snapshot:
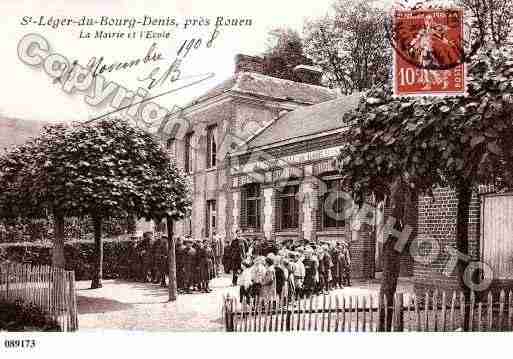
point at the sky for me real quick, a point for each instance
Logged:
(29, 93)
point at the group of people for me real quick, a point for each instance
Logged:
(261, 268)
(197, 261)
(267, 270)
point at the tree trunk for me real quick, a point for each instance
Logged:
(391, 256)
(58, 242)
(98, 253)
(464, 190)
(391, 269)
(171, 259)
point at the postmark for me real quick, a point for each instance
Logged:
(428, 56)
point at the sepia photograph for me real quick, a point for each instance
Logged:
(328, 167)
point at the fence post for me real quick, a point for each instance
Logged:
(229, 314)
(73, 302)
(398, 313)
(380, 315)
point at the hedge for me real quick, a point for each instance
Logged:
(22, 317)
(33, 230)
(122, 258)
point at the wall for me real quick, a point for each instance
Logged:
(207, 183)
(437, 219)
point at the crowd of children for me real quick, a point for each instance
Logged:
(267, 270)
(261, 268)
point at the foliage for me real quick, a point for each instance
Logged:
(107, 168)
(22, 317)
(489, 21)
(123, 258)
(350, 45)
(435, 141)
(284, 52)
(31, 230)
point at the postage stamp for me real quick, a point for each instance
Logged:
(428, 52)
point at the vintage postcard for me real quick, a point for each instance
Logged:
(337, 166)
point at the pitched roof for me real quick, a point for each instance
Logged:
(258, 84)
(267, 86)
(306, 121)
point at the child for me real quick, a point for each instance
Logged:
(245, 282)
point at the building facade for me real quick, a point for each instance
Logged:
(259, 152)
(222, 121)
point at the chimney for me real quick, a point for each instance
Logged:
(308, 74)
(249, 64)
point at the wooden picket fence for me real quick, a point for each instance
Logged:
(435, 311)
(50, 289)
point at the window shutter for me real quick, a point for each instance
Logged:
(278, 209)
(207, 219)
(243, 207)
(209, 148)
(296, 212)
(259, 213)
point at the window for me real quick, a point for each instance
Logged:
(288, 208)
(211, 217)
(188, 153)
(333, 205)
(211, 146)
(251, 206)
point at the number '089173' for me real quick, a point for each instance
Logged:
(19, 343)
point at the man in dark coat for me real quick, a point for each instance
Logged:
(238, 253)
(203, 254)
(180, 263)
(189, 265)
(161, 256)
(146, 258)
(346, 265)
(325, 265)
(311, 268)
(336, 269)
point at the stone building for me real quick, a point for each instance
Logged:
(259, 151)
(223, 120)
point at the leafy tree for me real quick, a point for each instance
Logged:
(20, 169)
(284, 52)
(104, 169)
(402, 147)
(350, 45)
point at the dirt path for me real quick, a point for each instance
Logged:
(143, 306)
(122, 305)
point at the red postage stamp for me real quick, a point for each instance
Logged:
(428, 52)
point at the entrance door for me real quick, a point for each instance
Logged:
(497, 234)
